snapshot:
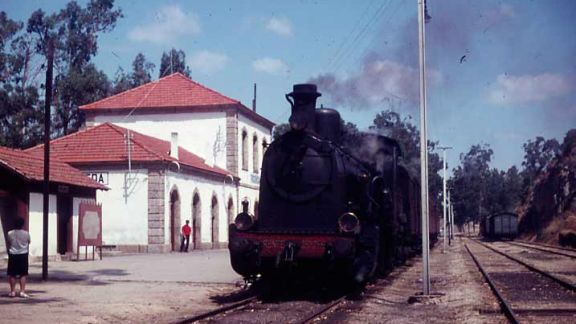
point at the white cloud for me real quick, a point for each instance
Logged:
(279, 25)
(270, 65)
(207, 62)
(170, 23)
(528, 88)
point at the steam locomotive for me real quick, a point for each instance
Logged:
(323, 207)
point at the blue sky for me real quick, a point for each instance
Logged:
(499, 72)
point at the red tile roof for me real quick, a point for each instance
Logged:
(175, 91)
(106, 143)
(31, 167)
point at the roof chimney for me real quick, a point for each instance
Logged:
(174, 145)
(254, 100)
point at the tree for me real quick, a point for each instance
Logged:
(21, 115)
(538, 155)
(141, 70)
(141, 74)
(392, 124)
(74, 89)
(469, 184)
(74, 32)
(172, 62)
(121, 81)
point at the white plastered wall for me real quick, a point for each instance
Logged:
(202, 133)
(124, 218)
(206, 188)
(263, 134)
(35, 224)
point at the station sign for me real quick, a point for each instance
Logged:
(100, 177)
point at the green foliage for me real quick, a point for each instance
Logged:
(77, 87)
(469, 184)
(172, 62)
(392, 124)
(21, 117)
(141, 70)
(74, 33)
(538, 154)
(141, 74)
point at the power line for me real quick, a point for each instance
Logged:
(352, 47)
(349, 36)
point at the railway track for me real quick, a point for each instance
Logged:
(571, 253)
(547, 245)
(525, 293)
(255, 310)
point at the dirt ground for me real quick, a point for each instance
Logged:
(126, 302)
(145, 288)
(459, 294)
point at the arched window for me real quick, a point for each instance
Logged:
(215, 221)
(174, 219)
(230, 210)
(196, 217)
(244, 150)
(255, 157)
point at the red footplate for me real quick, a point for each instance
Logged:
(308, 246)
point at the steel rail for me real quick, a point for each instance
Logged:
(548, 245)
(216, 311)
(323, 310)
(506, 308)
(536, 247)
(562, 282)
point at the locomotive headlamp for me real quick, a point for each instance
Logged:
(244, 221)
(349, 223)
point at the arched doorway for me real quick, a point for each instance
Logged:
(230, 210)
(174, 219)
(214, 214)
(196, 217)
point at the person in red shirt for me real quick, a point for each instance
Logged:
(186, 230)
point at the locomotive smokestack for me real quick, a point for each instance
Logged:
(303, 102)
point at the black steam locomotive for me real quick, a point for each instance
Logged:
(351, 211)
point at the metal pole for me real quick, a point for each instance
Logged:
(444, 148)
(451, 221)
(46, 186)
(423, 153)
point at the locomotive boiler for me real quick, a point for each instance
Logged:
(325, 208)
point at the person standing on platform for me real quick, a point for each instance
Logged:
(18, 243)
(186, 230)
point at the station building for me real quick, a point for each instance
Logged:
(170, 150)
(21, 195)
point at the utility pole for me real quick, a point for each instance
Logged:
(46, 185)
(423, 152)
(452, 220)
(444, 148)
